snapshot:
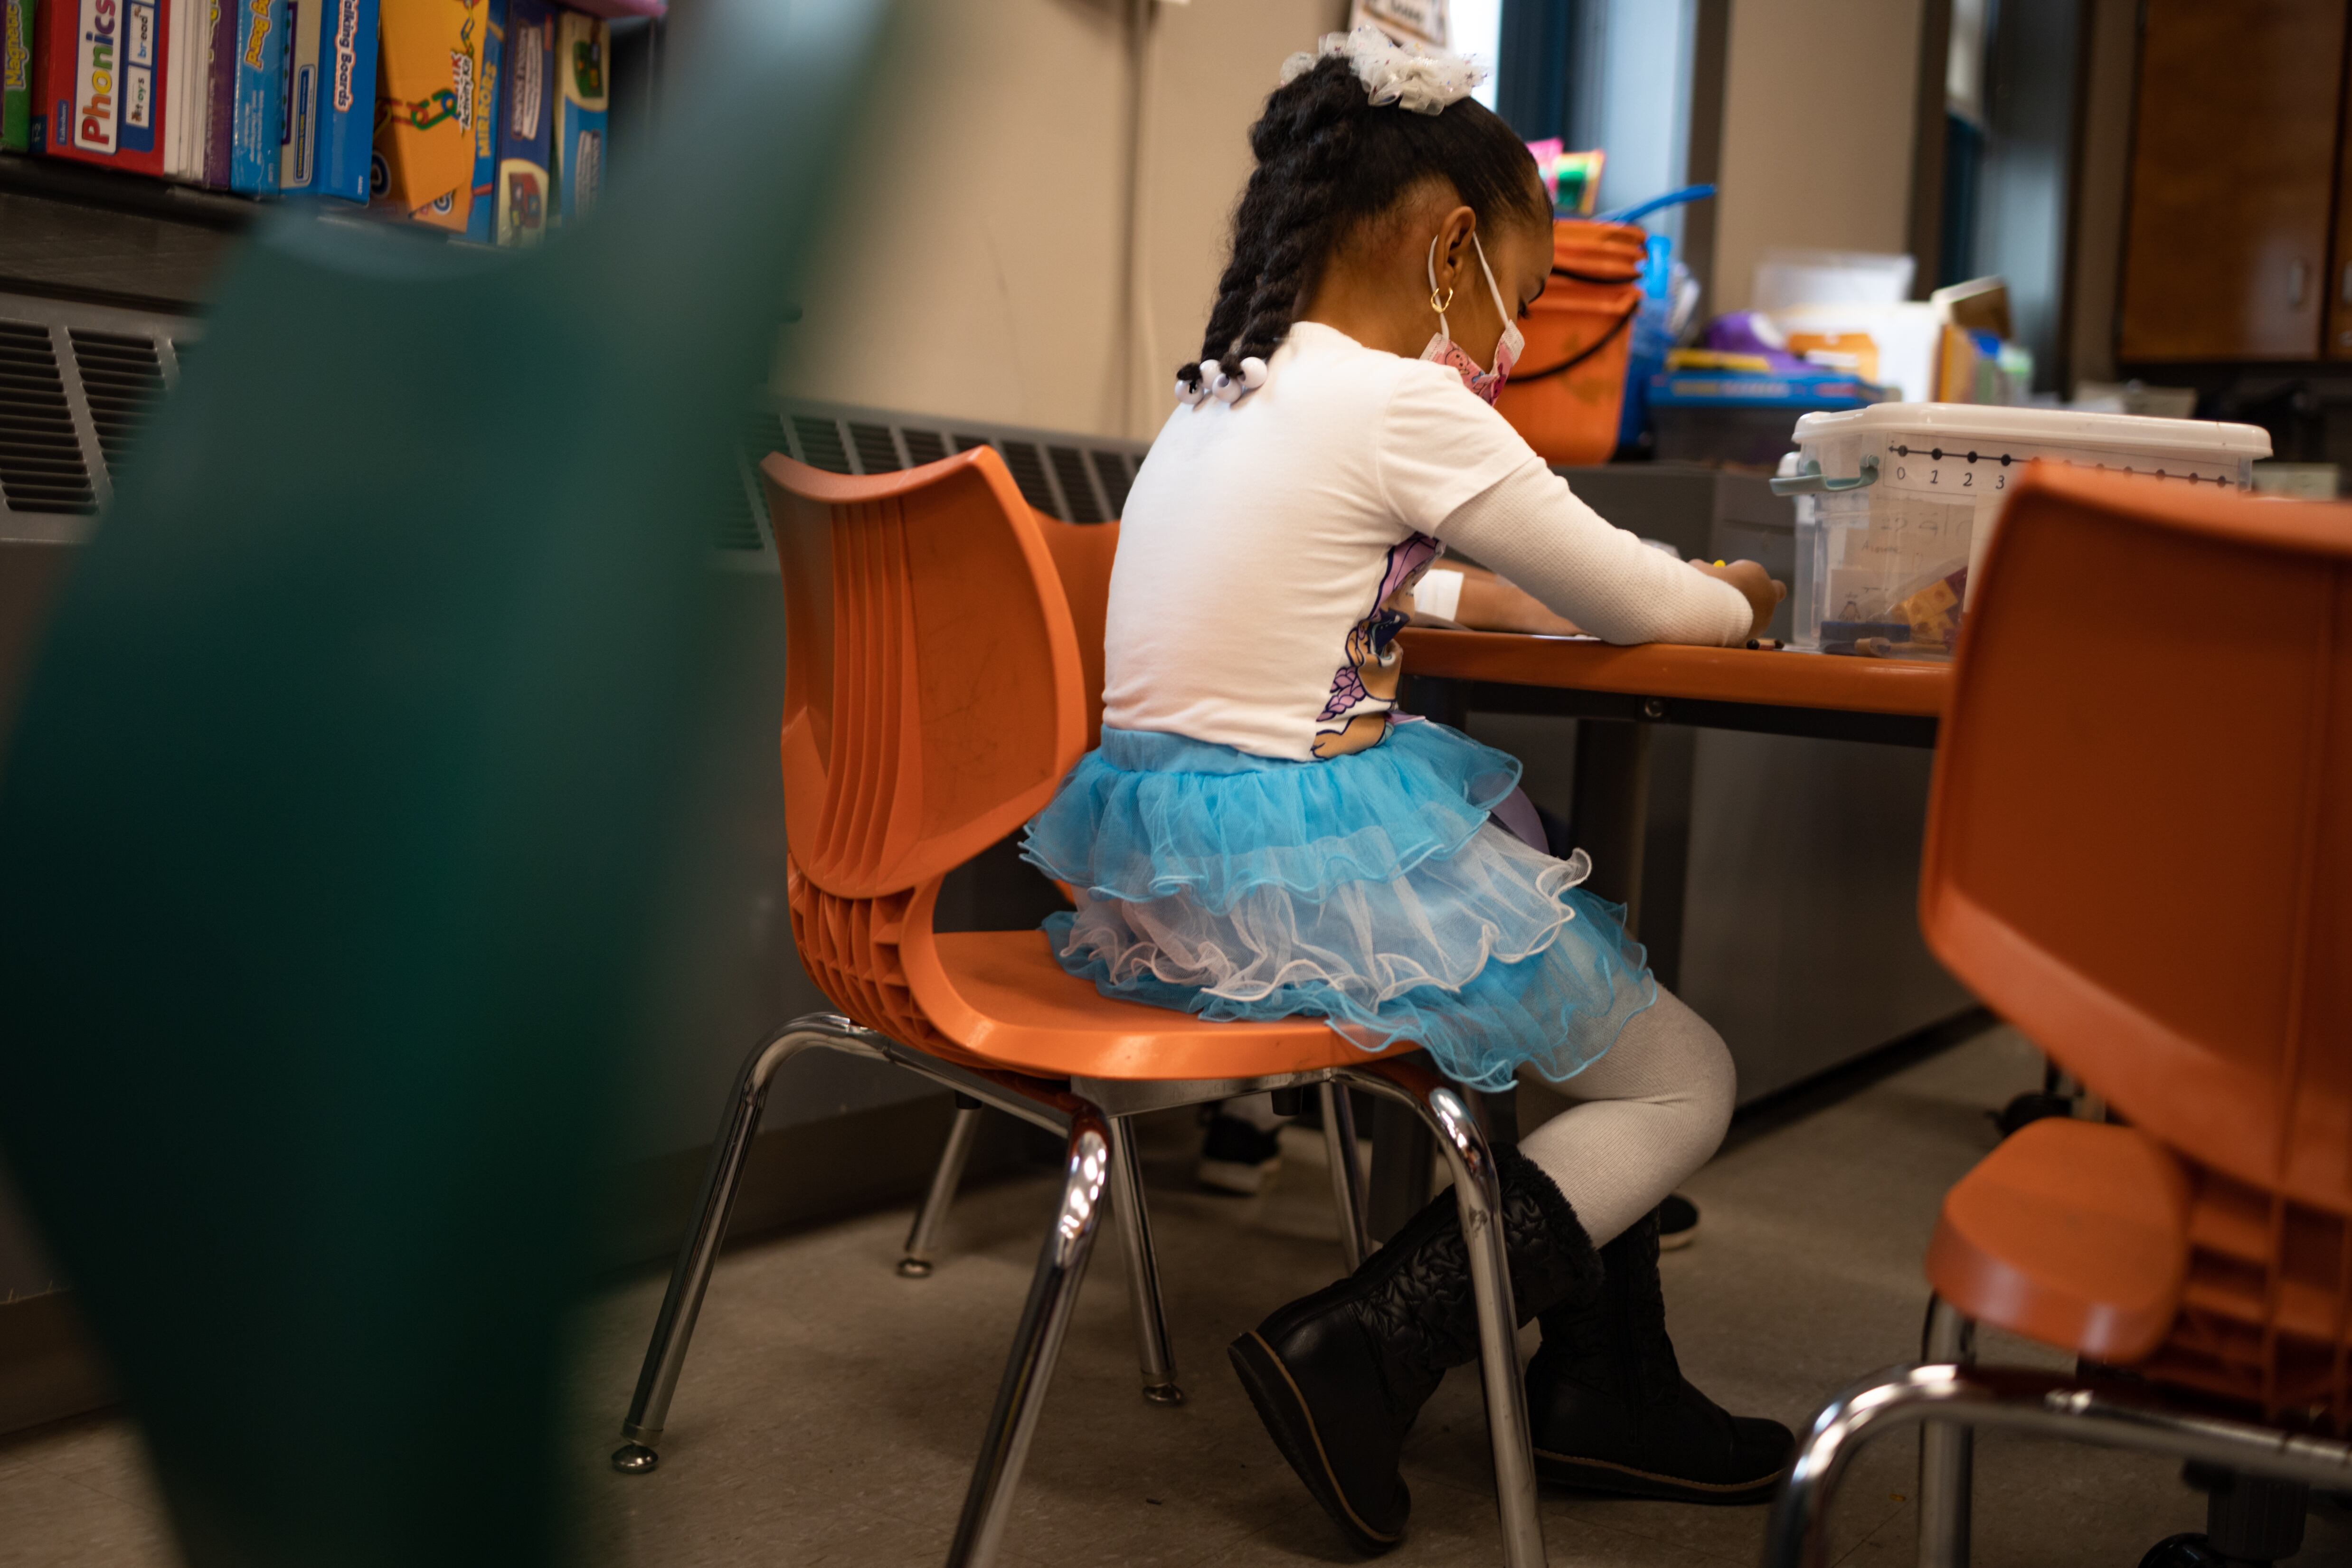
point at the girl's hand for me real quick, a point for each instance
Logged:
(1762, 591)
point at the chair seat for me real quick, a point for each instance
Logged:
(1000, 995)
(2071, 1233)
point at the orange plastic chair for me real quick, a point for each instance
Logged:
(2139, 852)
(933, 702)
(1083, 553)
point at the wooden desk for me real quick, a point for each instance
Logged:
(1450, 675)
(1894, 701)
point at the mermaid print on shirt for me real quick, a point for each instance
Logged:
(1375, 664)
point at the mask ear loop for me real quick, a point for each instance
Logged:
(1492, 292)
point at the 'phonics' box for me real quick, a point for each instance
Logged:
(100, 84)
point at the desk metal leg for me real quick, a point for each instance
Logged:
(1402, 1149)
(1498, 1112)
(1608, 816)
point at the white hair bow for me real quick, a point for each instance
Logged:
(1423, 80)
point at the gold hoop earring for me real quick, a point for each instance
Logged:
(1438, 305)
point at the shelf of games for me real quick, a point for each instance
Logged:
(486, 119)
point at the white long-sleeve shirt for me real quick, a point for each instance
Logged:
(1261, 538)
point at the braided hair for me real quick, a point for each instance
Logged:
(1329, 159)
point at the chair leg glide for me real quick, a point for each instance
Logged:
(674, 1329)
(1157, 1356)
(922, 1239)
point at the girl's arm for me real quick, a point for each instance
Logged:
(1601, 578)
(1477, 599)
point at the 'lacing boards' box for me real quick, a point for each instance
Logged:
(330, 99)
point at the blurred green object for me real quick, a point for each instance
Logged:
(336, 808)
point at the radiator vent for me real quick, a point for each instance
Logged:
(1110, 468)
(876, 453)
(1029, 473)
(820, 445)
(1077, 490)
(41, 465)
(121, 376)
(924, 446)
(738, 509)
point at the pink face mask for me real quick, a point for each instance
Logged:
(1441, 347)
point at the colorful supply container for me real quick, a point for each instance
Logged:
(1567, 391)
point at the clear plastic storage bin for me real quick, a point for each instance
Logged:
(1895, 503)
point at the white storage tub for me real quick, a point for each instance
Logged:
(1896, 501)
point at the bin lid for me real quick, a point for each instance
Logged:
(2043, 427)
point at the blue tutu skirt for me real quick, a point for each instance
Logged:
(1369, 890)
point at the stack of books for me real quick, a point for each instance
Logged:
(486, 118)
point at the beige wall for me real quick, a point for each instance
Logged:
(978, 265)
(1818, 122)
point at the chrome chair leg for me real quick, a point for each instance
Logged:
(1947, 1449)
(2020, 1401)
(1043, 1323)
(1346, 1173)
(1159, 1358)
(923, 1238)
(1477, 1194)
(674, 1329)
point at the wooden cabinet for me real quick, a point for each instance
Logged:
(2234, 172)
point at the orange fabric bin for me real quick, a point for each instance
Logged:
(1567, 391)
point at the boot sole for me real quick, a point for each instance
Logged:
(1292, 1426)
(1602, 1476)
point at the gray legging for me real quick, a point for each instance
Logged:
(1647, 1114)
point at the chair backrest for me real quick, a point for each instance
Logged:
(1082, 555)
(2139, 845)
(932, 682)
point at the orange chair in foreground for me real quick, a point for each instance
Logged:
(933, 701)
(2139, 852)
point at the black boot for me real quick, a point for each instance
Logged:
(1611, 1413)
(1339, 1376)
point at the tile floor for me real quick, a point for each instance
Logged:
(830, 1409)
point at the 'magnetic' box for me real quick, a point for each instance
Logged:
(481, 216)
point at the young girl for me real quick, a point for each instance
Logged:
(1261, 835)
